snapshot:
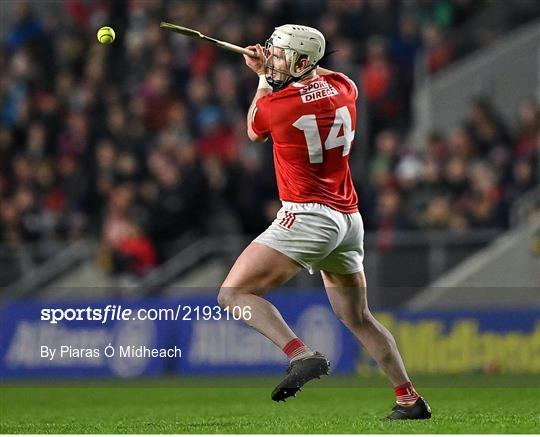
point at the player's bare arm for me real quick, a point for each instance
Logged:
(257, 65)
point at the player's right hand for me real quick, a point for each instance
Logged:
(256, 64)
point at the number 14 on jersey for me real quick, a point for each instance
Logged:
(308, 125)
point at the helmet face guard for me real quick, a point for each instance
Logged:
(277, 78)
(294, 43)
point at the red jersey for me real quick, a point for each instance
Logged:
(312, 127)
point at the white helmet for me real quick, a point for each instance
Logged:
(296, 41)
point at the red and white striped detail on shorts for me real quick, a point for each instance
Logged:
(288, 220)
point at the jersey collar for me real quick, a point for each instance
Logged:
(302, 85)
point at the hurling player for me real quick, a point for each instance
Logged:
(310, 113)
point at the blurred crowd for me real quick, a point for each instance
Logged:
(142, 143)
(466, 180)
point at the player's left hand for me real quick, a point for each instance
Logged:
(256, 64)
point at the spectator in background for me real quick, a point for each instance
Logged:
(484, 202)
(485, 128)
(438, 49)
(390, 218)
(408, 173)
(380, 86)
(386, 157)
(429, 186)
(405, 45)
(438, 214)
(157, 98)
(528, 128)
(217, 139)
(461, 144)
(455, 179)
(27, 32)
(104, 171)
(436, 147)
(134, 253)
(125, 247)
(522, 179)
(9, 224)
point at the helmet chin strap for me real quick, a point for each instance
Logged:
(280, 84)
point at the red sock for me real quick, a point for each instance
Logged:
(295, 349)
(406, 394)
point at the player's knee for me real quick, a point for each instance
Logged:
(226, 297)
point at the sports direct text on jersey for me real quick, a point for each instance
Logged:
(317, 90)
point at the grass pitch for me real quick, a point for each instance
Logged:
(333, 405)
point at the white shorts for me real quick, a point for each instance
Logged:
(317, 237)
